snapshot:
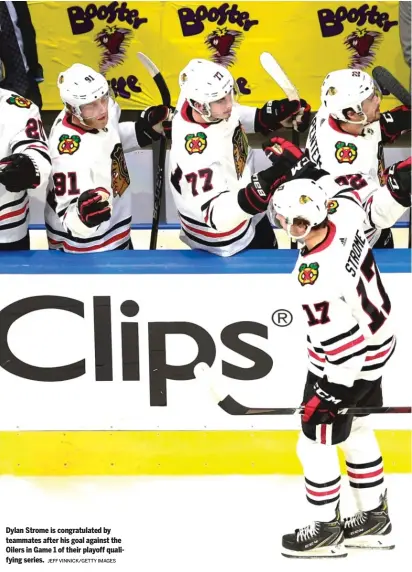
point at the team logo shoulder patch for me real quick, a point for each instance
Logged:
(308, 274)
(332, 206)
(68, 144)
(195, 143)
(345, 152)
(19, 101)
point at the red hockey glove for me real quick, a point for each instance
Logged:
(320, 405)
(93, 207)
(395, 122)
(152, 123)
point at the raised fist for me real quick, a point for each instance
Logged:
(93, 207)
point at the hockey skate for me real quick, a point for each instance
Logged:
(318, 540)
(369, 529)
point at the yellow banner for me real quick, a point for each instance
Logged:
(309, 39)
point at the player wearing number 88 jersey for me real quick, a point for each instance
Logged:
(24, 166)
(350, 339)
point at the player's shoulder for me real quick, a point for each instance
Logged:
(14, 107)
(66, 139)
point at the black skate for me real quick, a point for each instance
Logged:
(370, 529)
(318, 540)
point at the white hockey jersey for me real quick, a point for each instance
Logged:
(338, 284)
(342, 154)
(21, 131)
(84, 160)
(382, 210)
(209, 163)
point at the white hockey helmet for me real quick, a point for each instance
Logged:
(204, 82)
(79, 85)
(303, 199)
(347, 88)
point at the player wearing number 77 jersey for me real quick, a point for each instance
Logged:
(350, 339)
(220, 203)
(24, 165)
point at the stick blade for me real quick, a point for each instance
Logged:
(272, 67)
(148, 64)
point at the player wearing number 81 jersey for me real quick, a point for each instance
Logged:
(350, 339)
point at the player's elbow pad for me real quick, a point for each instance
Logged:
(225, 212)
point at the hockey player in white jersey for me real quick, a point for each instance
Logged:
(383, 204)
(220, 205)
(88, 203)
(348, 133)
(24, 165)
(350, 339)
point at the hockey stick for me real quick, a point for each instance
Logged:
(271, 66)
(229, 404)
(388, 82)
(160, 172)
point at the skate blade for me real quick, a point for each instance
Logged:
(371, 542)
(336, 551)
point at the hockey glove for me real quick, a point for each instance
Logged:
(255, 197)
(290, 160)
(153, 123)
(321, 406)
(395, 122)
(286, 113)
(398, 181)
(18, 173)
(93, 207)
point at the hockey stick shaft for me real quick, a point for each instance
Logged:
(203, 372)
(233, 407)
(272, 67)
(386, 80)
(160, 171)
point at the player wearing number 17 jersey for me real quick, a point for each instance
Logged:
(349, 340)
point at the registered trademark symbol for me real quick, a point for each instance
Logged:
(282, 318)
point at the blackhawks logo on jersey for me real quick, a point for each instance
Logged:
(332, 206)
(120, 174)
(308, 274)
(19, 101)
(68, 144)
(195, 143)
(240, 149)
(346, 152)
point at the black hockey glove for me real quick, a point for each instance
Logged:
(152, 123)
(395, 122)
(18, 173)
(398, 181)
(93, 207)
(320, 404)
(277, 113)
(255, 197)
